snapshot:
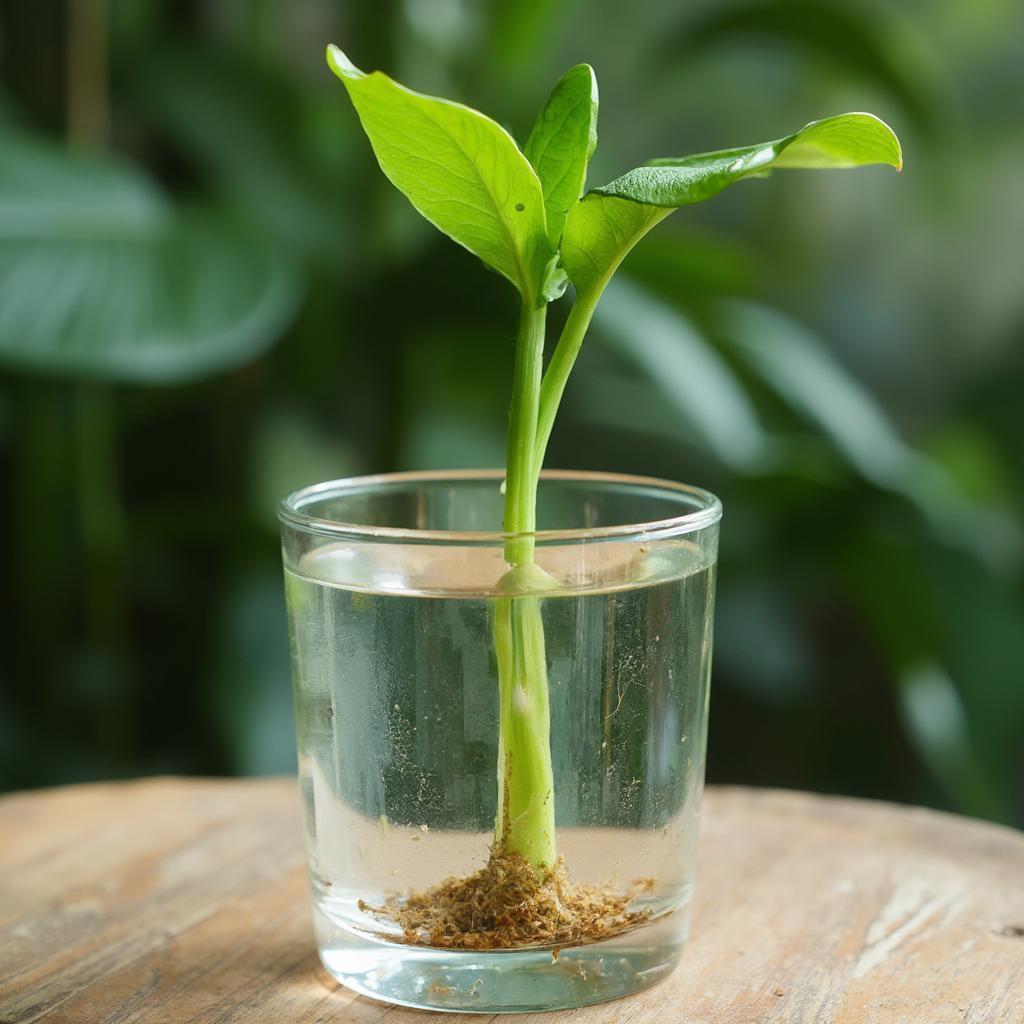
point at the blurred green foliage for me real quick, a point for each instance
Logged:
(840, 360)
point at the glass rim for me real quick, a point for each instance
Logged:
(707, 513)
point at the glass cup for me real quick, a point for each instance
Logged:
(405, 705)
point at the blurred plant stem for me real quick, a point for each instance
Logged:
(100, 515)
(88, 109)
(41, 551)
(101, 518)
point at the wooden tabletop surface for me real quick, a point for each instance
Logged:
(171, 900)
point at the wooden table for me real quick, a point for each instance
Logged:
(171, 900)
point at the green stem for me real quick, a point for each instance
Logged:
(521, 469)
(525, 821)
(571, 338)
(568, 347)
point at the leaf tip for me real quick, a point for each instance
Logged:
(584, 70)
(892, 138)
(339, 63)
(898, 162)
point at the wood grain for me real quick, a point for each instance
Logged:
(174, 900)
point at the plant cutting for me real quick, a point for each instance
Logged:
(527, 214)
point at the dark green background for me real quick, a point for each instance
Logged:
(837, 355)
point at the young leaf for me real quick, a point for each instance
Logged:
(460, 169)
(607, 222)
(562, 142)
(599, 232)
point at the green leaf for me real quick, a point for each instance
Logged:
(461, 170)
(101, 277)
(599, 232)
(562, 142)
(607, 222)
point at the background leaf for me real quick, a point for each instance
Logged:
(872, 40)
(938, 725)
(698, 383)
(195, 296)
(47, 192)
(520, 29)
(273, 147)
(803, 373)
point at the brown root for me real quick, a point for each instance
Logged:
(509, 904)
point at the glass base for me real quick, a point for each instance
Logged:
(509, 981)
